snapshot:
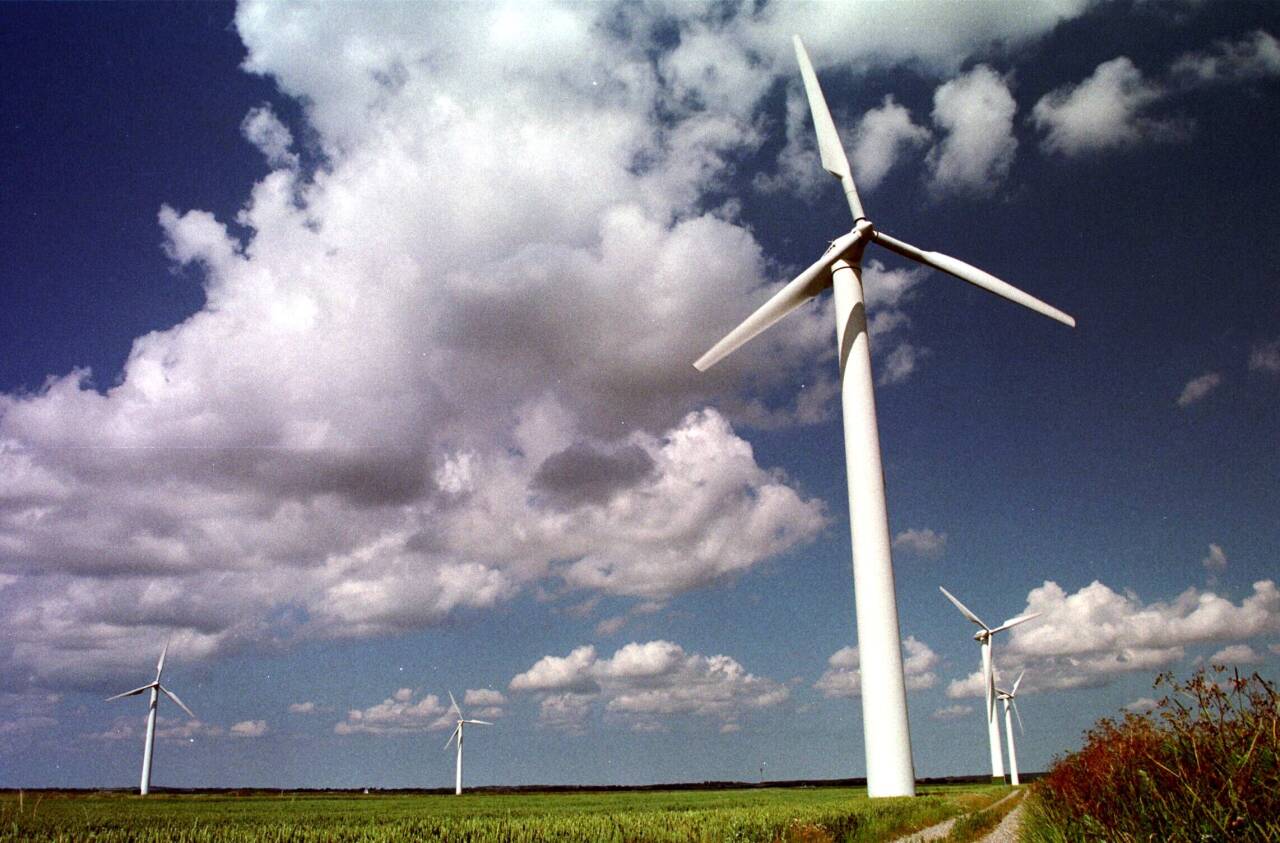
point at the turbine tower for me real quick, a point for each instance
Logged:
(156, 689)
(983, 637)
(1010, 704)
(457, 733)
(886, 738)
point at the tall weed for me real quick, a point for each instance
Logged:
(1205, 765)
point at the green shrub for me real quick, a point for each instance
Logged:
(1205, 765)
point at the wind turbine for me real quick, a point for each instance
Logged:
(1010, 704)
(887, 741)
(457, 733)
(156, 689)
(983, 637)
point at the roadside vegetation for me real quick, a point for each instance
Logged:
(792, 815)
(1204, 765)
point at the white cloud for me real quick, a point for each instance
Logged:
(1265, 357)
(394, 346)
(1236, 654)
(262, 128)
(483, 697)
(925, 543)
(643, 685)
(1254, 56)
(398, 715)
(1088, 638)
(249, 729)
(841, 678)
(1104, 111)
(307, 707)
(952, 712)
(611, 625)
(1216, 560)
(975, 111)
(882, 136)
(1142, 705)
(1198, 388)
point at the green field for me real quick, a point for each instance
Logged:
(757, 814)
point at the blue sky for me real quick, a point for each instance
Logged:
(348, 348)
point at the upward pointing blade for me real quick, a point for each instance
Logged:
(160, 664)
(454, 704)
(799, 290)
(830, 149)
(964, 610)
(132, 693)
(975, 276)
(1016, 683)
(171, 695)
(1023, 619)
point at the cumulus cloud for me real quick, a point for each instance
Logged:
(975, 112)
(1141, 705)
(643, 685)
(1198, 388)
(1216, 560)
(882, 136)
(1088, 638)
(126, 727)
(842, 679)
(249, 729)
(1253, 56)
(1104, 111)
(442, 328)
(1265, 357)
(952, 712)
(398, 714)
(307, 707)
(262, 128)
(925, 543)
(1236, 654)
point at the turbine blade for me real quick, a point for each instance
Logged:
(964, 610)
(132, 693)
(1018, 715)
(1022, 619)
(1016, 683)
(479, 722)
(454, 704)
(975, 276)
(171, 695)
(160, 664)
(452, 735)
(799, 290)
(830, 149)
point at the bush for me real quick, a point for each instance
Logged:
(1205, 765)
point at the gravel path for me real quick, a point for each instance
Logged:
(1007, 831)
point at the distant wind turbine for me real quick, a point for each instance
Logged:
(887, 740)
(983, 637)
(457, 733)
(156, 689)
(1011, 705)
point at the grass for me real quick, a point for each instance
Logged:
(770, 814)
(1205, 765)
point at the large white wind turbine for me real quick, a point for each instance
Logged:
(1011, 705)
(983, 637)
(887, 741)
(457, 733)
(156, 689)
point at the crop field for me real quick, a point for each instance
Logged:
(756, 814)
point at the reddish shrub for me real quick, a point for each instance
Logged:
(1204, 766)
